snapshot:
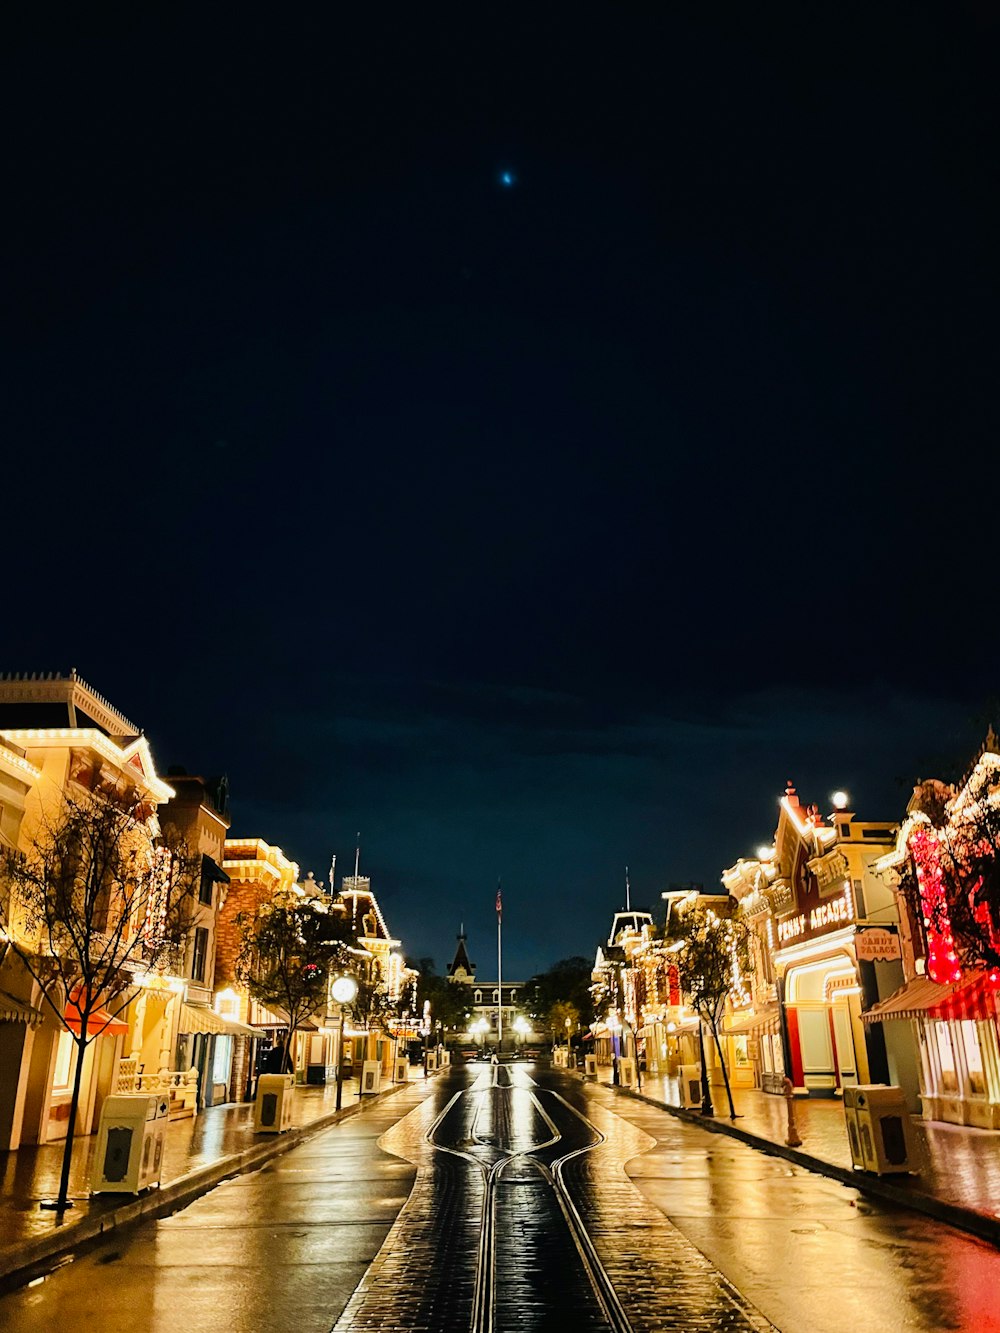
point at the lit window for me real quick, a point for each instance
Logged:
(65, 1063)
(223, 1059)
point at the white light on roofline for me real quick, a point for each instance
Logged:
(840, 800)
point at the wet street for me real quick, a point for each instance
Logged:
(517, 1198)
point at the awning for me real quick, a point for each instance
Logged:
(751, 1023)
(200, 1018)
(972, 998)
(913, 1000)
(278, 1018)
(13, 1010)
(99, 1023)
(212, 873)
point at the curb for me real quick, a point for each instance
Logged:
(16, 1263)
(983, 1225)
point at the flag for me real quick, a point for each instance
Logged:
(499, 904)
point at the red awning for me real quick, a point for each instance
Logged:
(99, 1022)
(974, 999)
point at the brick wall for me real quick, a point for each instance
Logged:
(242, 896)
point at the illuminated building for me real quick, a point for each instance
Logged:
(255, 871)
(942, 1021)
(65, 738)
(207, 1039)
(491, 1003)
(809, 900)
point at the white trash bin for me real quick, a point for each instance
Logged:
(590, 1066)
(401, 1070)
(626, 1071)
(129, 1156)
(272, 1112)
(880, 1129)
(690, 1086)
(371, 1078)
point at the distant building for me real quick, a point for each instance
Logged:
(496, 1006)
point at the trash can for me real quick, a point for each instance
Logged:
(129, 1155)
(401, 1070)
(272, 1112)
(690, 1087)
(880, 1129)
(430, 1061)
(590, 1066)
(626, 1071)
(371, 1078)
(853, 1128)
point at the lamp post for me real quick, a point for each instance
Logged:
(344, 990)
(614, 1027)
(569, 1024)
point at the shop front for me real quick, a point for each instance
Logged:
(821, 1009)
(753, 1050)
(954, 1028)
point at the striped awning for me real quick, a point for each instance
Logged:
(756, 1022)
(913, 1000)
(200, 1018)
(13, 1010)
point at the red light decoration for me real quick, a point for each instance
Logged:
(942, 962)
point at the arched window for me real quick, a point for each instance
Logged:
(496, 997)
(479, 997)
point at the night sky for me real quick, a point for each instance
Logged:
(532, 529)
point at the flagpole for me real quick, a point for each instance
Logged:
(499, 971)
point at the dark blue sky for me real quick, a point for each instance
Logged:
(530, 531)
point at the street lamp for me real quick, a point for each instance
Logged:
(480, 1027)
(569, 1024)
(343, 990)
(521, 1027)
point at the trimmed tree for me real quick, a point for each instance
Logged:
(714, 953)
(288, 947)
(99, 897)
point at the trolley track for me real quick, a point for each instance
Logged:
(522, 1218)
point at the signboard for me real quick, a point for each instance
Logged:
(875, 944)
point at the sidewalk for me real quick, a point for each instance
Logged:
(959, 1180)
(198, 1153)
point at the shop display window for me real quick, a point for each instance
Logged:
(740, 1053)
(973, 1058)
(946, 1059)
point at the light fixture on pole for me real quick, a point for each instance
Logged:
(343, 990)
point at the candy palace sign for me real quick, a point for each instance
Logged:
(834, 913)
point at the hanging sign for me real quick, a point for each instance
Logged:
(875, 944)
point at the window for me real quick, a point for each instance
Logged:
(946, 1056)
(208, 873)
(65, 1063)
(200, 955)
(973, 1058)
(496, 997)
(223, 1059)
(479, 997)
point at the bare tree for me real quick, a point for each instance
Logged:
(715, 951)
(98, 898)
(287, 949)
